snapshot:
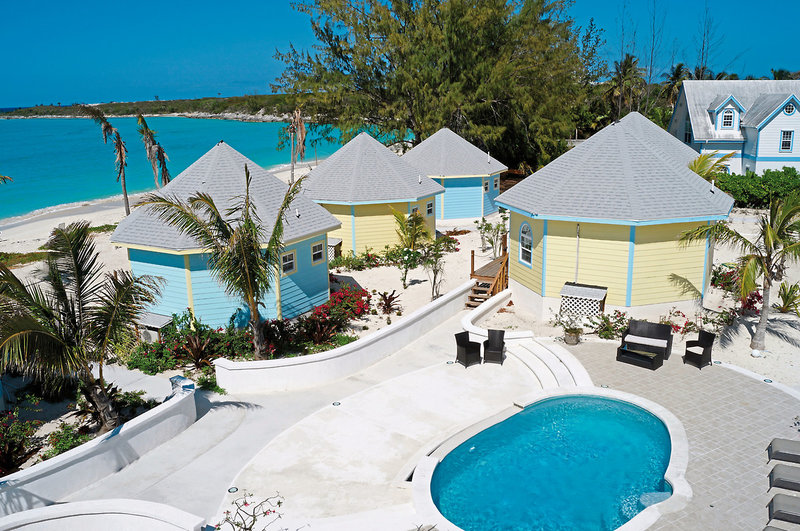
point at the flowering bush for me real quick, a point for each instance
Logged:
(752, 303)
(726, 277)
(16, 444)
(610, 326)
(64, 438)
(679, 322)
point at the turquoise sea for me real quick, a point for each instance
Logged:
(54, 161)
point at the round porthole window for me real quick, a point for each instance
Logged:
(789, 109)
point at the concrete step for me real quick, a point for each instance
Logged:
(556, 366)
(543, 373)
(576, 368)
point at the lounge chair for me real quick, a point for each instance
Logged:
(785, 477)
(494, 346)
(698, 352)
(467, 352)
(784, 507)
(784, 450)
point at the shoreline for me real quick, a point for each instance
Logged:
(232, 116)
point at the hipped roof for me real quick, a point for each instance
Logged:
(630, 172)
(220, 173)
(446, 153)
(366, 171)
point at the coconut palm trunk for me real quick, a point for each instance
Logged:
(758, 342)
(120, 150)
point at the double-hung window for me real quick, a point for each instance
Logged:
(497, 183)
(525, 244)
(429, 208)
(288, 263)
(787, 138)
(317, 252)
(727, 119)
(486, 185)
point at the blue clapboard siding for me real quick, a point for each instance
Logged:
(211, 304)
(170, 268)
(308, 285)
(489, 206)
(439, 200)
(462, 198)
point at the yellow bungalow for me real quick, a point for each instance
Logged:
(609, 213)
(361, 183)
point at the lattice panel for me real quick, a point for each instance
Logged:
(334, 251)
(580, 306)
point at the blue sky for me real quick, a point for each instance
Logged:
(92, 51)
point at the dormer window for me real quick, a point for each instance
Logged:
(727, 119)
(789, 108)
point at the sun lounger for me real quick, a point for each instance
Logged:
(785, 477)
(784, 450)
(784, 507)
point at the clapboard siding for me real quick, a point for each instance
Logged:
(463, 197)
(308, 285)
(170, 268)
(211, 304)
(528, 276)
(345, 233)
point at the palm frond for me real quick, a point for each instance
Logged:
(720, 233)
(122, 155)
(685, 286)
(5, 179)
(162, 158)
(183, 216)
(750, 270)
(707, 165)
(100, 119)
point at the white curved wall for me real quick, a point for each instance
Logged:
(317, 369)
(102, 515)
(52, 480)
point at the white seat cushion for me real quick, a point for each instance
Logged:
(641, 340)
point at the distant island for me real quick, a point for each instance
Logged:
(254, 107)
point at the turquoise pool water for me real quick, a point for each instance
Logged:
(566, 463)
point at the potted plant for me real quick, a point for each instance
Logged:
(571, 323)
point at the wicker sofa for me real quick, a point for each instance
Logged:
(645, 344)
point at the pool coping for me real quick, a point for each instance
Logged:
(675, 473)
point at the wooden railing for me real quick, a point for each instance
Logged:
(501, 280)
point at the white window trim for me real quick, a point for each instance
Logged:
(726, 113)
(486, 185)
(429, 208)
(414, 209)
(528, 263)
(324, 254)
(496, 183)
(293, 254)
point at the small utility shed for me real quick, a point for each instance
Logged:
(361, 183)
(609, 213)
(471, 178)
(156, 248)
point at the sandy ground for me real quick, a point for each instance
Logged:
(783, 341)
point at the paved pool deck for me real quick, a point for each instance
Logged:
(729, 420)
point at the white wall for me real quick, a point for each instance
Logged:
(769, 138)
(54, 479)
(317, 369)
(102, 515)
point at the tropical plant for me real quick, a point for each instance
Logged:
(5, 179)
(68, 323)
(790, 298)
(626, 83)
(411, 229)
(16, 440)
(388, 302)
(154, 151)
(234, 241)
(433, 263)
(493, 234)
(246, 512)
(673, 81)
(120, 149)
(777, 241)
(297, 131)
(710, 165)
(64, 438)
(609, 326)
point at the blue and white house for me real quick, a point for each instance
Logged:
(470, 176)
(158, 249)
(756, 120)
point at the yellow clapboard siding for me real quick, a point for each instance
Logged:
(345, 232)
(430, 221)
(375, 225)
(530, 277)
(603, 258)
(658, 255)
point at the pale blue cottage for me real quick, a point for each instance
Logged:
(756, 120)
(156, 248)
(470, 176)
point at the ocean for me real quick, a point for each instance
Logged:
(54, 161)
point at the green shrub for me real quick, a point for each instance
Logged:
(16, 440)
(752, 190)
(610, 326)
(208, 380)
(64, 438)
(153, 358)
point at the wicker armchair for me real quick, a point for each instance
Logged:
(467, 352)
(698, 352)
(494, 346)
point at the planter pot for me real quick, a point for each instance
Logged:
(572, 337)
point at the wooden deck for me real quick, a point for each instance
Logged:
(489, 271)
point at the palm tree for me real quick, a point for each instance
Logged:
(120, 150)
(673, 81)
(626, 81)
(299, 128)
(237, 256)
(411, 230)
(155, 152)
(63, 329)
(777, 242)
(708, 165)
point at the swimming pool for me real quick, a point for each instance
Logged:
(571, 462)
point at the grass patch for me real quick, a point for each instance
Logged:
(103, 228)
(18, 259)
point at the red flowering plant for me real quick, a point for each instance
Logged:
(679, 322)
(16, 440)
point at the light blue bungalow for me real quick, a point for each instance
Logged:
(156, 248)
(470, 177)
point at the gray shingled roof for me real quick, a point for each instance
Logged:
(700, 94)
(366, 171)
(762, 108)
(220, 173)
(446, 153)
(716, 102)
(631, 171)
